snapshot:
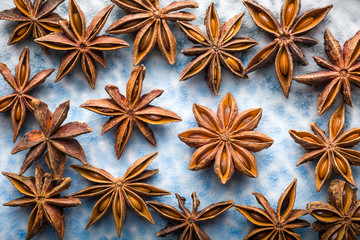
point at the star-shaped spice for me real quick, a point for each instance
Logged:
(42, 192)
(150, 21)
(275, 225)
(334, 152)
(340, 219)
(342, 69)
(116, 193)
(216, 48)
(187, 220)
(82, 44)
(226, 138)
(132, 109)
(56, 140)
(288, 34)
(19, 101)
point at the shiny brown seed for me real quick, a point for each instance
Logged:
(357, 213)
(21, 31)
(324, 169)
(230, 32)
(5, 103)
(341, 165)
(265, 54)
(18, 112)
(223, 163)
(266, 21)
(168, 212)
(284, 63)
(118, 207)
(323, 213)
(258, 217)
(165, 38)
(252, 140)
(104, 204)
(227, 113)
(96, 176)
(305, 22)
(143, 189)
(212, 212)
(196, 35)
(233, 64)
(336, 124)
(213, 27)
(309, 139)
(242, 159)
(22, 74)
(198, 136)
(146, 39)
(260, 235)
(351, 137)
(136, 204)
(208, 120)
(153, 117)
(77, 22)
(346, 197)
(334, 236)
(290, 11)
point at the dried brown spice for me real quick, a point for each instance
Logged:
(343, 69)
(82, 44)
(56, 140)
(226, 138)
(216, 49)
(186, 219)
(288, 34)
(334, 152)
(132, 109)
(271, 224)
(42, 192)
(116, 193)
(150, 21)
(19, 101)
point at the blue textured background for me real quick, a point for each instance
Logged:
(276, 165)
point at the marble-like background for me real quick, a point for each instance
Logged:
(276, 165)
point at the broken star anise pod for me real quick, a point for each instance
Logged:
(216, 48)
(334, 151)
(187, 219)
(42, 192)
(150, 21)
(132, 109)
(226, 138)
(271, 225)
(116, 193)
(288, 33)
(56, 140)
(343, 69)
(82, 44)
(19, 101)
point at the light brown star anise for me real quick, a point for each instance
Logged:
(342, 69)
(271, 225)
(43, 193)
(288, 33)
(19, 101)
(81, 43)
(116, 193)
(186, 219)
(56, 140)
(132, 109)
(226, 138)
(334, 152)
(216, 48)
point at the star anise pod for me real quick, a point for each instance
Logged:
(42, 192)
(342, 69)
(273, 225)
(288, 34)
(150, 21)
(226, 138)
(81, 43)
(216, 48)
(129, 110)
(187, 220)
(116, 193)
(334, 152)
(19, 101)
(56, 140)
(340, 219)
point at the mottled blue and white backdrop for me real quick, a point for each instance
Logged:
(276, 165)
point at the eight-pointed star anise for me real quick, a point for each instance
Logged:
(82, 43)
(186, 219)
(43, 193)
(288, 33)
(19, 100)
(150, 21)
(116, 193)
(58, 141)
(129, 110)
(216, 48)
(334, 152)
(227, 138)
(271, 225)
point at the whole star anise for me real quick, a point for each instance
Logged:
(343, 69)
(56, 140)
(150, 21)
(226, 138)
(271, 225)
(186, 219)
(19, 101)
(43, 193)
(288, 33)
(129, 110)
(216, 48)
(81, 43)
(334, 152)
